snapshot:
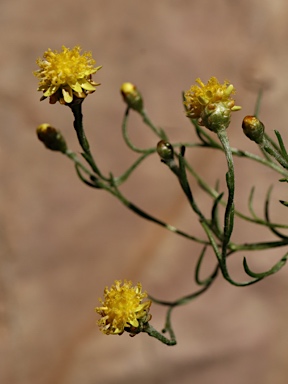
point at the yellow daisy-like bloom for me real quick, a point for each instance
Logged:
(210, 101)
(65, 75)
(122, 308)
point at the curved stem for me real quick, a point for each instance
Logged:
(126, 137)
(72, 156)
(115, 192)
(121, 179)
(125, 134)
(158, 132)
(211, 143)
(215, 194)
(157, 335)
(188, 298)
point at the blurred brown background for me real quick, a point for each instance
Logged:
(61, 242)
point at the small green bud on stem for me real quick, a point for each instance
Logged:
(132, 96)
(165, 150)
(253, 128)
(51, 138)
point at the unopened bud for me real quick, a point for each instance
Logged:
(253, 129)
(216, 116)
(165, 150)
(51, 138)
(132, 96)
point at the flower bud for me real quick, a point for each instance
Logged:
(132, 96)
(51, 138)
(216, 116)
(253, 129)
(165, 150)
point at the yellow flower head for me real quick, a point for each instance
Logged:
(122, 308)
(202, 101)
(63, 75)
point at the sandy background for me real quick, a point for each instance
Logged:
(61, 242)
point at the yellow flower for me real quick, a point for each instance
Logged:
(122, 308)
(209, 102)
(66, 74)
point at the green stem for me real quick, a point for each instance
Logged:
(181, 175)
(121, 179)
(258, 159)
(115, 192)
(125, 134)
(188, 298)
(215, 194)
(78, 125)
(158, 132)
(230, 181)
(272, 151)
(258, 103)
(138, 211)
(157, 335)
(211, 143)
(72, 155)
(257, 246)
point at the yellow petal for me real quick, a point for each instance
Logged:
(67, 95)
(86, 85)
(51, 90)
(76, 87)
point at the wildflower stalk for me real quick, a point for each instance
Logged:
(126, 137)
(66, 77)
(208, 142)
(159, 336)
(158, 132)
(72, 155)
(78, 126)
(112, 188)
(140, 212)
(180, 173)
(274, 152)
(258, 103)
(230, 181)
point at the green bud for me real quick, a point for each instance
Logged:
(132, 96)
(165, 150)
(253, 129)
(216, 116)
(51, 138)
